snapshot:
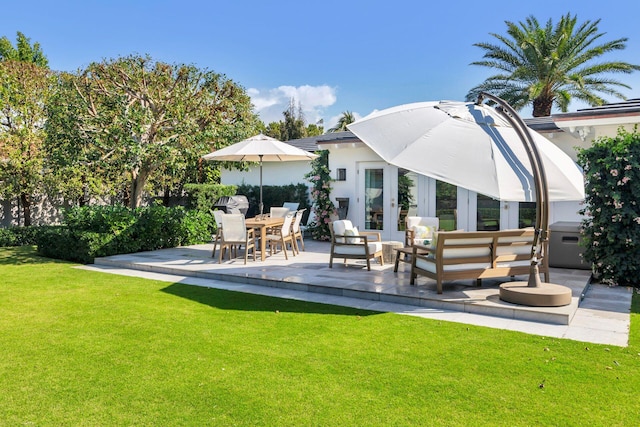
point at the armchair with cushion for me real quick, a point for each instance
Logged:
(419, 229)
(348, 243)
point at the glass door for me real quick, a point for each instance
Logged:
(384, 195)
(447, 205)
(374, 198)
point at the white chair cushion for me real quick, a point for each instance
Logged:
(430, 265)
(358, 250)
(339, 227)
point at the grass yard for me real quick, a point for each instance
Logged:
(81, 348)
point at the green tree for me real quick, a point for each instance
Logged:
(23, 52)
(147, 122)
(551, 65)
(344, 120)
(24, 91)
(293, 126)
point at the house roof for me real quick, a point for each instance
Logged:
(618, 113)
(311, 143)
(614, 113)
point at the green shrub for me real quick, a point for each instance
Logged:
(275, 195)
(98, 231)
(20, 236)
(203, 196)
(611, 232)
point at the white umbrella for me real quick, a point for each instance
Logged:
(260, 148)
(487, 150)
(470, 146)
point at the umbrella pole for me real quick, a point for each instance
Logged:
(260, 206)
(533, 292)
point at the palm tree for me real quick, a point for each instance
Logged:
(551, 65)
(346, 118)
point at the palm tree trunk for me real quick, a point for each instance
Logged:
(542, 106)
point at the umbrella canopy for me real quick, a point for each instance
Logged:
(260, 148)
(468, 145)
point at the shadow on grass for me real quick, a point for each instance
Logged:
(16, 255)
(230, 300)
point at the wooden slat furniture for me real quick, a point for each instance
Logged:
(476, 255)
(366, 245)
(262, 224)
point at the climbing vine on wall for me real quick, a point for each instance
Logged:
(322, 206)
(611, 230)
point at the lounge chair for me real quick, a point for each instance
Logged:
(348, 243)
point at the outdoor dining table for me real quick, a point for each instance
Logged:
(262, 223)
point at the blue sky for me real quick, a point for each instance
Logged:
(331, 56)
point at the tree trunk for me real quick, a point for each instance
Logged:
(25, 200)
(542, 106)
(137, 186)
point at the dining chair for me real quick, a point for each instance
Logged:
(291, 205)
(217, 218)
(235, 234)
(281, 236)
(277, 212)
(296, 230)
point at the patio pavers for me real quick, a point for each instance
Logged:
(604, 318)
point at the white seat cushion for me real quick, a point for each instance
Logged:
(358, 250)
(430, 265)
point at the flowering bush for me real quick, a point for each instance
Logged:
(611, 231)
(323, 207)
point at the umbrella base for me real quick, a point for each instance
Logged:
(544, 295)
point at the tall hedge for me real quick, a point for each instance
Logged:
(611, 230)
(96, 231)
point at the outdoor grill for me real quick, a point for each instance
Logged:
(233, 204)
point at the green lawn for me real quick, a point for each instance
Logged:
(80, 348)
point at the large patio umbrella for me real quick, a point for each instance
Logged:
(484, 149)
(468, 145)
(260, 148)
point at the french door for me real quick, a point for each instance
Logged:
(385, 197)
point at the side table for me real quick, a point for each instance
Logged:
(404, 255)
(389, 251)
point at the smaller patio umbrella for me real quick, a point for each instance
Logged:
(260, 148)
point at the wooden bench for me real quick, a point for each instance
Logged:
(476, 255)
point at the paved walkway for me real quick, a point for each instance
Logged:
(598, 314)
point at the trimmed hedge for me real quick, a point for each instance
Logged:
(97, 231)
(19, 236)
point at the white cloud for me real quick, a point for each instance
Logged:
(270, 103)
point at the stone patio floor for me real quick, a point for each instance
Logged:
(597, 314)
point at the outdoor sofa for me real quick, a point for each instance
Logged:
(455, 255)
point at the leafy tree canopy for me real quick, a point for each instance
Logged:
(551, 65)
(24, 90)
(142, 121)
(24, 51)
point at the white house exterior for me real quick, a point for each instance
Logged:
(366, 188)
